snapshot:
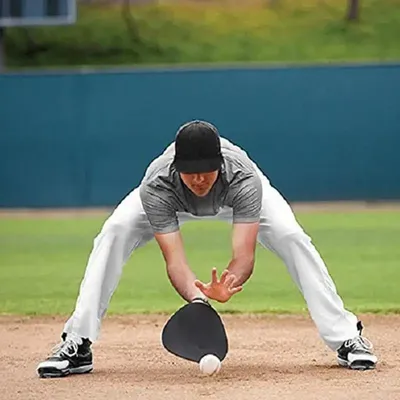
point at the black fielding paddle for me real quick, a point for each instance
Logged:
(195, 330)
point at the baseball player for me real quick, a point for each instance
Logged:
(201, 176)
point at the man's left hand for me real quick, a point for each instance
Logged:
(219, 290)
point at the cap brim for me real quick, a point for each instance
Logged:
(198, 166)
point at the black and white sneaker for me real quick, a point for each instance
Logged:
(71, 356)
(357, 353)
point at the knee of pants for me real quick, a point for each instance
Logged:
(277, 237)
(114, 227)
(119, 222)
(280, 227)
(295, 237)
(137, 232)
(110, 231)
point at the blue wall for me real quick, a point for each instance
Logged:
(319, 133)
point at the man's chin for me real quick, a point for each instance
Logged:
(202, 194)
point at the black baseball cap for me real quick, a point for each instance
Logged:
(197, 148)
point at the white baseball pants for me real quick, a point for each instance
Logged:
(128, 228)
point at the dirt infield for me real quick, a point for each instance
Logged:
(271, 357)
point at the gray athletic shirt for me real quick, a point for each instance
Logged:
(238, 186)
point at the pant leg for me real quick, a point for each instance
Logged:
(281, 233)
(125, 230)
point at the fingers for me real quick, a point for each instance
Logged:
(223, 276)
(235, 289)
(214, 278)
(200, 285)
(230, 280)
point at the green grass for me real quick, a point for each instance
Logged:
(169, 33)
(42, 262)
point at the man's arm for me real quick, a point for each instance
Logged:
(179, 273)
(240, 268)
(247, 204)
(244, 240)
(163, 220)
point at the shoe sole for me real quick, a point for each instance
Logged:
(360, 365)
(60, 373)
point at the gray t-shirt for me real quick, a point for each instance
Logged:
(238, 186)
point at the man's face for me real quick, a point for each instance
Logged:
(200, 184)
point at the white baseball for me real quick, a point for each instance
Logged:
(210, 364)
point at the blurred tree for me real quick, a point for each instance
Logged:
(131, 26)
(353, 10)
(2, 51)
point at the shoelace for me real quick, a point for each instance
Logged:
(69, 348)
(359, 343)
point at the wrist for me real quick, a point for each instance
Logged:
(200, 299)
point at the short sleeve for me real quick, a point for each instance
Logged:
(158, 206)
(247, 200)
